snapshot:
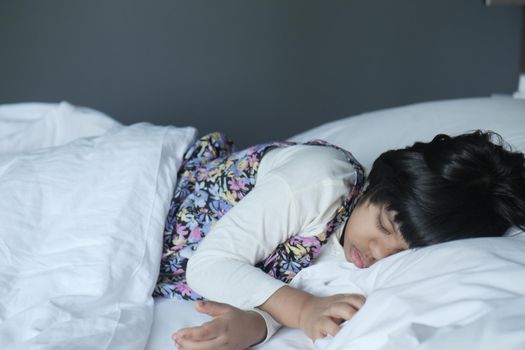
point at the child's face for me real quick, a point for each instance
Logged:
(371, 234)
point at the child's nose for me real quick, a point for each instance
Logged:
(377, 251)
(381, 249)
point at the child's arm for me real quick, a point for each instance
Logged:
(297, 197)
(316, 316)
(222, 268)
(233, 328)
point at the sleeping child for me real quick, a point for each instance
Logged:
(242, 224)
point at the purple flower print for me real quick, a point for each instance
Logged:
(204, 216)
(237, 184)
(174, 266)
(308, 241)
(181, 230)
(315, 250)
(165, 290)
(214, 190)
(183, 289)
(219, 207)
(292, 265)
(200, 198)
(202, 174)
(252, 160)
(251, 150)
(195, 235)
(272, 259)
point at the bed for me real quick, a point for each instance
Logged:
(83, 205)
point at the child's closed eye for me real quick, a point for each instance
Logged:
(380, 226)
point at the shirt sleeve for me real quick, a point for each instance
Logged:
(299, 194)
(222, 268)
(272, 326)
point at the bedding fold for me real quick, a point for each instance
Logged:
(81, 235)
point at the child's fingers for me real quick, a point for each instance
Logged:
(211, 344)
(356, 300)
(328, 327)
(341, 311)
(212, 308)
(206, 331)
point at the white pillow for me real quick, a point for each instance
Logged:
(81, 238)
(419, 297)
(26, 126)
(370, 134)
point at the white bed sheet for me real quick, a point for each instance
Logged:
(81, 225)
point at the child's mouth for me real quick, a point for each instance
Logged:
(355, 255)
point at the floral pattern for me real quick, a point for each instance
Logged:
(212, 179)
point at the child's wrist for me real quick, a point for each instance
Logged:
(258, 327)
(304, 311)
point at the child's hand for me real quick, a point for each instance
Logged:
(231, 328)
(321, 316)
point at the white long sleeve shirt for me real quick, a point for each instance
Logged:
(297, 192)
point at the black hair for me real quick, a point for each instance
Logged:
(471, 185)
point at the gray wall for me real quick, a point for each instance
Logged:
(257, 70)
